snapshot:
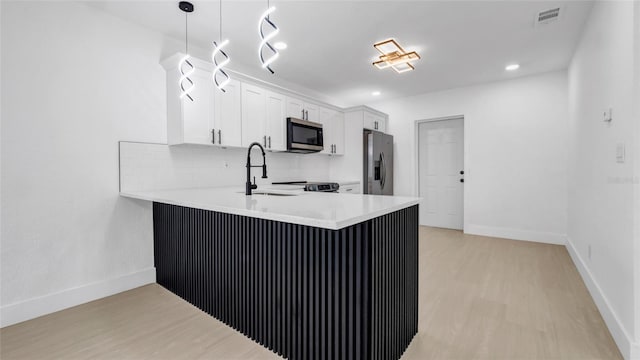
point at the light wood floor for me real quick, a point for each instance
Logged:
(480, 298)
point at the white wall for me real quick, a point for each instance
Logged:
(636, 81)
(515, 131)
(601, 191)
(75, 81)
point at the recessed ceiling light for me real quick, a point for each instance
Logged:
(376, 93)
(280, 45)
(512, 67)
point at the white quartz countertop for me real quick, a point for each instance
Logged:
(325, 210)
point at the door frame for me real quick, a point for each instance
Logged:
(465, 158)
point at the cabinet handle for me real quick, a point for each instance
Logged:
(220, 137)
(303, 114)
(335, 148)
(269, 142)
(306, 112)
(264, 140)
(213, 136)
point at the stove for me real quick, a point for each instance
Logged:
(313, 186)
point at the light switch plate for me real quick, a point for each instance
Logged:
(620, 152)
(606, 115)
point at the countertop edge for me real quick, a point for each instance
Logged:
(331, 225)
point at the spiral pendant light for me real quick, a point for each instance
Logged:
(267, 53)
(220, 59)
(184, 66)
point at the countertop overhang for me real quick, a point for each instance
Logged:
(325, 210)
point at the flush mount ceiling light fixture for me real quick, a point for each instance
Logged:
(394, 56)
(265, 45)
(185, 66)
(220, 77)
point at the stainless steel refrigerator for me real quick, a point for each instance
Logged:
(378, 163)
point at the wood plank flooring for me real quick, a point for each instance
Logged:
(480, 298)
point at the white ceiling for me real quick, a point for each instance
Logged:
(331, 42)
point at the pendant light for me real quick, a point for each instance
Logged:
(265, 45)
(185, 66)
(220, 77)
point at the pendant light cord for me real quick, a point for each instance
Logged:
(186, 34)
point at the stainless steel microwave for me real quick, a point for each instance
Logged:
(304, 136)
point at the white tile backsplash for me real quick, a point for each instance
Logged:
(145, 166)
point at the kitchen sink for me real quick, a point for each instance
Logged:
(268, 193)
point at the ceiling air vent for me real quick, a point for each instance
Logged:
(547, 16)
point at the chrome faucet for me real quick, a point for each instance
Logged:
(249, 185)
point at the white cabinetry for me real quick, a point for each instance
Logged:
(263, 118)
(228, 115)
(276, 125)
(211, 115)
(254, 100)
(375, 121)
(299, 109)
(333, 130)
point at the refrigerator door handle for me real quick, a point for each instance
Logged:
(383, 171)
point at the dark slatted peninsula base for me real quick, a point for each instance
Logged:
(301, 291)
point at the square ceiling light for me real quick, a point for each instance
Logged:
(394, 56)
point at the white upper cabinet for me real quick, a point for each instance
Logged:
(189, 121)
(253, 114)
(227, 124)
(338, 133)
(375, 121)
(263, 118)
(212, 118)
(295, 108)
(276, 124)
(333, 130)
(299, 109)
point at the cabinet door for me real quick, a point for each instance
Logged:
(294, 108)
(312, 111)
(382, 124)
(276, 124)
(253, 114)
(374, 122)
(228, 118)
(198, 115)
(337, 133)
(326, 119)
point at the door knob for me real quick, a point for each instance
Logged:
(461, 180)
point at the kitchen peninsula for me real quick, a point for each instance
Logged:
(307, 275)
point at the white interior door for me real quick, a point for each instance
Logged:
(441, 173)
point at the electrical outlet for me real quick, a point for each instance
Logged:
(589, 252)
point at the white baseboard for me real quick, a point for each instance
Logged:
(620, 335)
(516, 234)
(47, 304)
